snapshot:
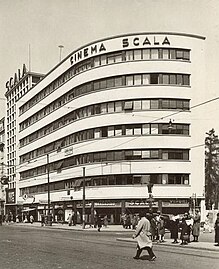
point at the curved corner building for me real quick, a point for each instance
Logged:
(116, 114)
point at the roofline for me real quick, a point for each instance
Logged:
(129, 34)
(122, 35)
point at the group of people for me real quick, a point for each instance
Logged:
(149, 226)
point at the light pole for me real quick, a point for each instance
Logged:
(83, 197)
(60, 52)
(49, 217)
(150, 199)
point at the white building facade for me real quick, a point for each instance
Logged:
(106, 110)
(17, 86)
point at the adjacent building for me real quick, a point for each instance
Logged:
(16, 87)
(117, 114)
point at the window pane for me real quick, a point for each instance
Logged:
(110, 131)
(137, 105)
(186, 55)
(129, 80)
(96, 61)
(137, 54)
(165, 54)
(118, 130)
(118, 81)
(145, 129)
(145, 154)
(172, 79)
(103, 108)
(154, 54)
(118, 106)
(110, 82)
(129, 131)
(111, 107)
(154, 104)
(146, 54)
(129, 55)
(165, 79)
(185, 79)
(146, 104)
(172, 54)
(137, 79)
(154, 154)
(154, 128)
(128, 105)
(179, 79)
(146, 79)
(154, 78)
(118, 58)
(137, 130)
(103, 59)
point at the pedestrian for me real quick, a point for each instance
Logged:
(189, 221)
(99, 223)
(142, 234)
(174, 227)
(134, 221)
(31, 219)
(128, 222)
(185, 230)
(69, 219)
(207, 227)
(216, 228)
(196, 226)
(161, 229)
(105, 221)
(42, 219)
(154, 228)
(1, 219)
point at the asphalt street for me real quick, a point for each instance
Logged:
(41, 247)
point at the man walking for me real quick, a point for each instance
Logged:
(142, 234)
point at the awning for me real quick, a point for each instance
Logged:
(27, 210)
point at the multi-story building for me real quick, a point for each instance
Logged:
(116, 114)
(2, 164)
(16, 87)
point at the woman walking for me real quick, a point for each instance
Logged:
(142, 234)
(216, 227)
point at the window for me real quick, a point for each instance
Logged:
(154, 128)
(137, 130)
(154, 78)
(137, 79)
(137, 105)
(145, 104)
(129, 56)
(145, 129)
(110, 131)
(128, 105)
(129, 80)
(137, 54)
(111, 107)
(154, 54)
(118, 106)
(118, 81)
(145, 79)
(146, 54)
(154, 104)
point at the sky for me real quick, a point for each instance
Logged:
(43, 25)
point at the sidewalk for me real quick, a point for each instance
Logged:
(201, 245)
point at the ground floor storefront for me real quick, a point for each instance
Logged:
(110, 210)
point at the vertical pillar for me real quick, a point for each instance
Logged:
(83, 209)
(160, 206)
(92, 212)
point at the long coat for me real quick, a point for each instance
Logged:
(174, 227)
(196, 225)
(216, 227)
(142, 233)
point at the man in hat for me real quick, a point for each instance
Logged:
(196, 226)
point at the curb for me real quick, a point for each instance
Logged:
(175, 245)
